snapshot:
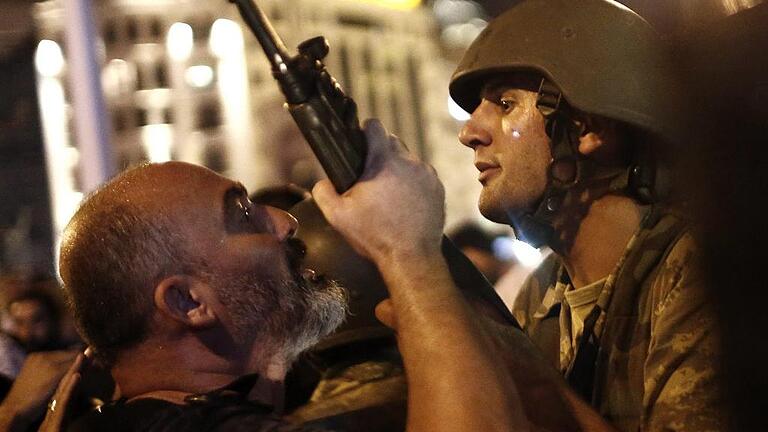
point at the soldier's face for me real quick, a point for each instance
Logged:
(512, 154)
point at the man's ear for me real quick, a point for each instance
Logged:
(183, 298)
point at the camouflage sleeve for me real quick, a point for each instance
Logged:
(681, 387)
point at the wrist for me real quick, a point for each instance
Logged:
(13, 419)
(410, 261)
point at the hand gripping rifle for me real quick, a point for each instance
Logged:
(328, 120)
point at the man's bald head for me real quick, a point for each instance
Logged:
(123, 239)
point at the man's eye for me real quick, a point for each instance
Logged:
(245, 212)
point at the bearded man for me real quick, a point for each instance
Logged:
(193, 296)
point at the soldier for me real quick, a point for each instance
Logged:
(573, 106)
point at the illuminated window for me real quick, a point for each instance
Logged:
(199, 76)
(180, 41)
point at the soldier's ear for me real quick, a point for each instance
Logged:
(592, 136)
(599, 138)
(187, 300)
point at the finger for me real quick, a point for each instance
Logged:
(65, 384)
(380, 143)
(398, 143)
(386, 314)
(66, 388)
(78, 364)
(326, 197)
(52, 357)
(54, 417)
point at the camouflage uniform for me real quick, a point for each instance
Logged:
(656, 343)
(362, 388)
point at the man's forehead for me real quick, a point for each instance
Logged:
(182, 170)
(173, 187)
(177, 176)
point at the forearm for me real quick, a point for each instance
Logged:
(12, 419)
(454, 383)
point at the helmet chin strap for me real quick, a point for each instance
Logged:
(568, 170)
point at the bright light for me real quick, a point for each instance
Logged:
(456, 11)
(232, 83)
(49, 60)
(507, 248)
(463, 34)
(528, 255)
(456, 111)
(59, 155)
(396, 4)
(226, 38)
(117, 77)
(733, 6)
(157, 140)
(70, 204)
(180, 41)
(199, 76)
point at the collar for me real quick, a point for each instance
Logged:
(239, 389)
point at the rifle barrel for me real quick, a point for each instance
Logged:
(268, 39)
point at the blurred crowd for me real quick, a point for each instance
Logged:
(34, 318)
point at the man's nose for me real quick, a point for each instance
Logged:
(476, 131)
(283, 223)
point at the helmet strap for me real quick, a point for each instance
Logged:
(568, 172)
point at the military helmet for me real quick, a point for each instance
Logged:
(328, 253)
(604, 58)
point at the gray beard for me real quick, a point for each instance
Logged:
(327, 308)
(284, 317)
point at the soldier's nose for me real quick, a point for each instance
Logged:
(475, 132)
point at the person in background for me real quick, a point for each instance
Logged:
(34, 320)
(496, 258)
(477, 244)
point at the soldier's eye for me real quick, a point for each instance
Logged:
(507, 104)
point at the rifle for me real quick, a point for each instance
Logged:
(328, 120)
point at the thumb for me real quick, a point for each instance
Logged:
(326, 197)
(385, 313)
